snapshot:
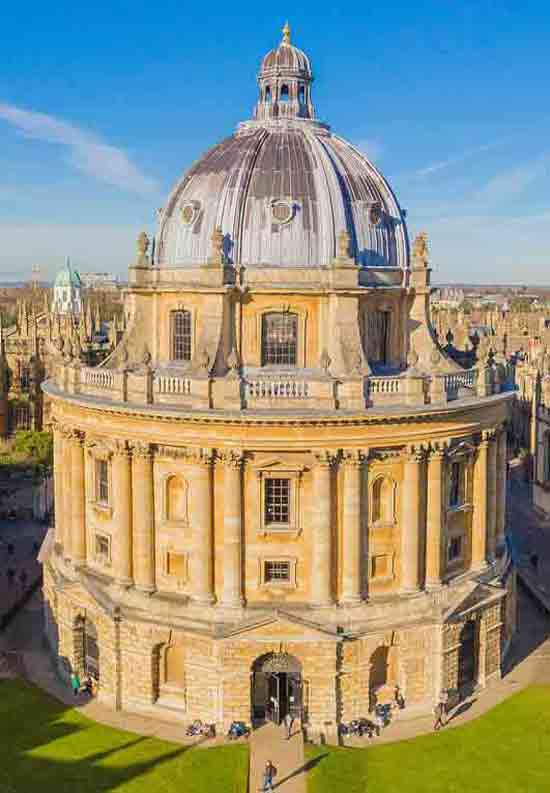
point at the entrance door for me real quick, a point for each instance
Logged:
(274, 692)
(467, 665)
(294, 695)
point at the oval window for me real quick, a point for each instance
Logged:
(189, 213)
(375, 214)
(282, 211)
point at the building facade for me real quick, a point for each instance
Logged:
(279, 493)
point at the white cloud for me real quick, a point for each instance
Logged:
(87, 153)
(514, 181)
(457, 159)
(372, 149)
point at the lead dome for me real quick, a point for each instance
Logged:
(283, 187)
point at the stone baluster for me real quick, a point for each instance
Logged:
(501, 489)
(78, 499)
(492, 497)
(201, 562)
(143, 517)
(411, 521)
(351, 529)
(434, 525)
(232, 529)
(58, 486)
(321, 520)
(479, 523)
(122, 489)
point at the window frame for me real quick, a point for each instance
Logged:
(186, 314)
(454, 560)
(103, 560)
(280, 364)
(102, 481)
(290, 583)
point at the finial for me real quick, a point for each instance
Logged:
(420, 249)
(142, 243)
(286, 34)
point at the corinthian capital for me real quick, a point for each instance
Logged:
(354, 457)
(325, 458)
(233, 458)
(141, 450)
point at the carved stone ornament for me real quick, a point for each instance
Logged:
(233, 458)
(280, 662)
(344, 242)
(325, 457)
(140, 449)
(435, 358)
(203, 360)
(233, 360)
(142, 244)
(123, 354)
(146, 357)
(325, 361)
(412, 358)
(420, 250)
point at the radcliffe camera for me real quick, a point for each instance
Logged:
(275, 456)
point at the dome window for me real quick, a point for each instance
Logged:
(189, 212)
(285, 94)
(375, 214)
(282, 211)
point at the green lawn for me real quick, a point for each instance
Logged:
(505, 751)
(45, 747)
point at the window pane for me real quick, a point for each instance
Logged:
(103, 481)
(181, 335)
(279, 339)
(454, 492)
(277, 500)
(277, 571)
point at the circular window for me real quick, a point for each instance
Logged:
(375, 214)
(189, 213)
(282, 211)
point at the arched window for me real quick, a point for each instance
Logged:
(267, 95)
(279, 339)
(25, 378)
(181, 335)
(176, 499)
(383, 497)
(302, 95)
(284, 95)
(174, 667)
(455, 484)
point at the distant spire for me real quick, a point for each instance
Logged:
(286, 34)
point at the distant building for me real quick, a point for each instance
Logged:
(106, 281)
(67, 292)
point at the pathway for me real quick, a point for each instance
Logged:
(269, 743)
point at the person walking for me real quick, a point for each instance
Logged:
(289, 721)
(269, 773)
(440, 713)
(75, 683)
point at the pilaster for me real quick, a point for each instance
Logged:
(232, 596)
(434, 527)
(479, 524)
(321, 519)
(122, 539)
(201, 513)
(352, 462)
(143, 517)
(78, 499)
(411, 514)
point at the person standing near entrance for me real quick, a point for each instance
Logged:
(440, 712)
(289, 721)
(269, 773)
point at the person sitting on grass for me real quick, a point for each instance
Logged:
(75, 683)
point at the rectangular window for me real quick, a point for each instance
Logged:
(455, 548)
(279, 339)
(277, 501)
(102, 481)
(102, 549)
(181, 335)
(454, 489)
(276, 571)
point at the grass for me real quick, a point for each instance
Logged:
(505, 751)
(45, 746)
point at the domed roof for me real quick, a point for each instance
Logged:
(282, 189)
(286, 58)
(67, 276)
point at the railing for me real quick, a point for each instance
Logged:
(169, 384)
(458, 380)
(384, 385)
(99, 378)
(277, 389)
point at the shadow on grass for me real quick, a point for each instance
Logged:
(47, 746)
(304, 769)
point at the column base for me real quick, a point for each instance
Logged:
(433, 586)
(233, 603)
(203, 600)
(124, 583)
(351, 601)
(146, 590)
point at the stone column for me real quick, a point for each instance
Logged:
(232, 529)
(143, 517)
(58, 486)
(501, 488)
(78, 500)
(351, 529)
(479, 522)
(66, 486)
(492, 498)
(321, 524)
(434, 523)
(411, 522)
(201, 561)
(122, 500)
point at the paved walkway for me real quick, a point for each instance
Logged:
(269, 743)
(19, 569)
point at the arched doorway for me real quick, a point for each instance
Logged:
(467, 655)
(276, 687)
(89, 648)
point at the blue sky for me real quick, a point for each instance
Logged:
(103, 106)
